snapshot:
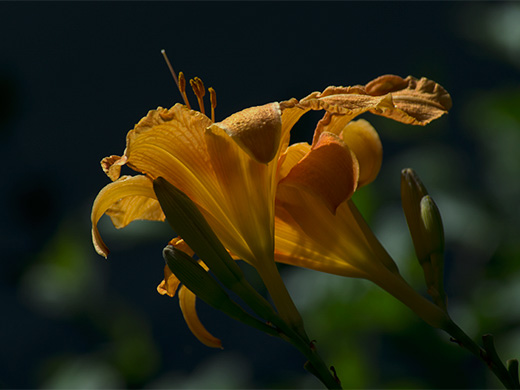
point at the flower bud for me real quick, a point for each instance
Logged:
(425, 225)
(432, 230)
(412, 192)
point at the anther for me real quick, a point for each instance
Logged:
(213, 100)
(182, 88)
(178, 82)
(198, 89)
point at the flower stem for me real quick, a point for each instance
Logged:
(488, 354)
(291, 324)
(281, 297)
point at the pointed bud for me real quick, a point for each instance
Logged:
(432, 229)
(412, 191)
(425, 225)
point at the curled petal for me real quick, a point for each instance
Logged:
(257, 130)
(410, 100)
(329, 170)
(291, 157)
(111, 165)
(127, 199)
(364, 141)
(187, 303)
(169, 284)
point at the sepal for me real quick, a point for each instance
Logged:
(202, 284)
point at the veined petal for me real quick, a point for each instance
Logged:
(308, 235)
(294, 247)
(329, 170)
(363, 140)
(248, 191)
(171, 144)
(257, 130)
(408, 100)
(187, 302)
(127, 199)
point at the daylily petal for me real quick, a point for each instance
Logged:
(409, 100)
(363, 140)
(294, 247)
(247, 189)
(170, 143)
(292, 156)
(257, 130)
(308, 235)
(170, 282)
(127, 199)
(329, 170)
(111, 165)
(187, 302)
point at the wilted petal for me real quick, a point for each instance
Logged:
(329, 170)
(111, 165)
(187, 302)
(408, 100)
(127, 199)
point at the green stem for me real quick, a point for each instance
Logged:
(291, 326)
(281, 297)
(488, 355)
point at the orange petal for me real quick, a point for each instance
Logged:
(169, 284)
(330, 171)
(127, 199)
(257, 130)
(410, 100)
(291, 157)
(112, 166)
(187, 303)
(364, 141)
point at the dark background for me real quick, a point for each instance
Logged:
(75, 77)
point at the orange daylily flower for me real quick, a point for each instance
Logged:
(317, 224)
(231, 169)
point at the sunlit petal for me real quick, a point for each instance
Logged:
(127, 199)
(169, 284)
(257, 130)
(187, 302)
(247, 189)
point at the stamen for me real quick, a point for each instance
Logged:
(181, 89)
(198, 89)
(213, 100)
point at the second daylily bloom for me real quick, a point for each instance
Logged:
(317, 224)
